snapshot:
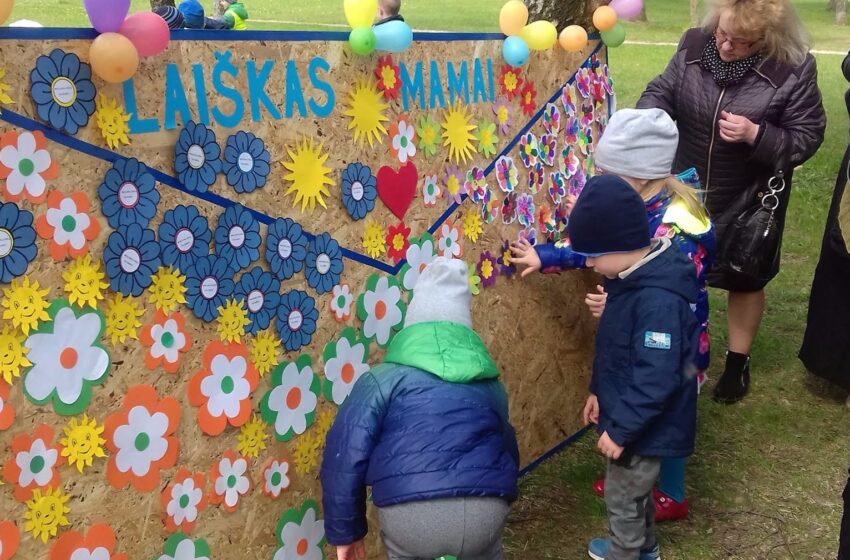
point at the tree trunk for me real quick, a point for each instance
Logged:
(695, 13)
(157, 3)
(563, 12)
(830, 5)
(841, 12)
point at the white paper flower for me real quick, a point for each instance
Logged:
(345, 368)
(341, 302)
(430, 191)
(382, 311)
(141, 441)
(232, 482)
(185, 550)
(293, 399)
(403, 143)
(448, 245)
(185, 498)
(69, 224)
(36, 464)
(302, 541)
(27, 164)
(82, 553)
(275, 478)
(226, 386)
(168, 341)
(418, 257)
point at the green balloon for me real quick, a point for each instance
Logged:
(362, 40)
(614, 37)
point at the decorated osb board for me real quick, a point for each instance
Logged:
(196, 266)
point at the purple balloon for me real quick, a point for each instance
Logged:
(627, 9)
(106, 16)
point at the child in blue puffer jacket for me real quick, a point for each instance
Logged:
(428, 430)
(639, 145)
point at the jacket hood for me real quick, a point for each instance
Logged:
(240, 9)
(664, 267)
(450, 351)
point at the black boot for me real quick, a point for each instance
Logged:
(735, 381)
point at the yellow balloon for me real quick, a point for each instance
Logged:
(360, 13)
(604, 18)
(6, 10)
(573, 38)
(539, 35)
(513, 17)
(113, 57)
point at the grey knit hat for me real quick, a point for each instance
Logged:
(639, 143)
(442, 293)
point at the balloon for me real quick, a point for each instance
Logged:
(515, 52)
(360, 13)
(393, 36)
(627, 9)
(147, 31)
(362, 40)
(513, 17)
(604, 18)
(107, 15)
(573, 38)
(615, 37)
(113, 57)
(6, 10)
(539, 35)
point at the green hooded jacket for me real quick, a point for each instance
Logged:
(236, 15)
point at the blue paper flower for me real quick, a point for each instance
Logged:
(209, 284)
(197, 158)
(323, 263)
(184, 236)
(246, 162)
(296, 319)
(17, 241)
(260, 291)
(62, 90)
(237, 237)
(359, 190)
(128, 194)
(131, 257)
(286, 248)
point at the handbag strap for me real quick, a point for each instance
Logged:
(775, 186)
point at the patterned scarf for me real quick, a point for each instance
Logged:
(726, 73)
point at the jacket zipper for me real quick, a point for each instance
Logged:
(711, 144)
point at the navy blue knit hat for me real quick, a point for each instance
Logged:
(172, 16)
(609, 217)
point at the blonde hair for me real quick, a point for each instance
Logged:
(686, 194)
(774, 23)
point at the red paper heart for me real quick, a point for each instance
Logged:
(397, 188)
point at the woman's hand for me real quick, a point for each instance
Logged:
(596, 302)
(590, 414)
(523, 253)
(735, 128)
(353, 551)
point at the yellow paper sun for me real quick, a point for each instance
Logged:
(308, 174)
(252, 438)
(4, 89)
(232, 320)
(264, 351)
(13, 355)
(324, 422)
(458, 134)
(168, 289)
(374, 239)
(366, 110)
(472, 226)
(84, 282)
(306, 456)
(82, 442)
(25, 305)
(46, 512)
(112, 121)
(122, 319)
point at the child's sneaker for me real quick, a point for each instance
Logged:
(598, 550)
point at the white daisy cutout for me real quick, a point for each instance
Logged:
(403, 143)
(291, 404)
(345, 362)
(430, 191)
(230, 481)
(301, 536)
(141, 441)
(27, 163)
(275, 478)
(381, 309)
(419, 255)
(221, 401)
(69, 224)
(36, 464)
(168, 341)
(185, 500)
(341, 301)
(448, 244)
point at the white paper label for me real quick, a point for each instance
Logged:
(284, 248)
(128, 195)
(184, 240)
(323, 263)
(295, 320)
(131, 260)
(209, 287)
(236, 237)
(6, 242)
(196, 156)
(255, 301)
(64, 91)
(357, 191)
(246, 162)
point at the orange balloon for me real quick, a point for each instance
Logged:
(113, 57)
(604, 18)
(6, 10)
(573, 38)
(513, 17)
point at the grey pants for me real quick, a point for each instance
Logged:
(468, 528)
(631, 507)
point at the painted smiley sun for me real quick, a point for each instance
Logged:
(308, 174)
(82, 442)
(4, 89)
(264, 351)
(306, 455)
(122, 319)
(112, 121)
(84, 282)
(252, 438)
(46, 512)
(366, 110)
(458, 134)
(25, 304)
(13, 355)
(232, 320)
(168, 289)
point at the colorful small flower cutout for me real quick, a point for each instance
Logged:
(230, 481)
(180, 547)
(389, 79)
(25, 166)
(84, 282)
(301, 534)
(128, 194)
(246, 162)
(571, 130)
(430, 191)
(131, 257)
(167, 339)
(506, 266)
(509, 208)
(17, 241)
(528, 98)
(525, 209)
(7, 413)
(474, 279)
(510, 81)
(475, 184)
(473, 226)
(547, 146)
(98, 543)
(197, 157)
(552, 119)
(529, 150)
(222, 389)
(264, 350)
(25, 305)
(568, 163)
(397, 241)
(359, 190)
(487, 139)
(296, 319)
(421, 252)
(286, 248)
(34, 463)
(402, 140)
(323, 265)
(568, 99)
(275, 475)
(67, 359)
(428, 132)
(381, 308)
(140, 437)
(506, 174)
(67, 225)
(209, 284)
(557, 187)
(374, 242)
(487, 269)
(13, 357)
(252, 438)
(340, 302)
(346, 360)
(62, 90)
(184, 236)
(10, 539)
(183, 501)
(502, 114)
(448, 241)
(46, 512)
(237, 237)
(490, 207)
(453, 182)
(290, 405)
(82, 443)
(536, 178)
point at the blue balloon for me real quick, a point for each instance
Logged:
(393, 36)
(515, 51)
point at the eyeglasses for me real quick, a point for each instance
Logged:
(721, 36)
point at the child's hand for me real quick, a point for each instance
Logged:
(591, 410)
(596, 302)
(523, 253)
(353, 551)
(569, 204)
(608, 448)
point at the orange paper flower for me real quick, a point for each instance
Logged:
(231, 480)
(167, 341)
(9, 540)
(68, 225)
(74, 544)
(183, 501)
(34, 462)
(7, 413)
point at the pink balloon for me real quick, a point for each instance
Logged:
(147, 31)
(627, 9)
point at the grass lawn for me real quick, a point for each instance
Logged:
(766, 480)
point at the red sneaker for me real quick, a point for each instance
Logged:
(668, 509)
(599, 485)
